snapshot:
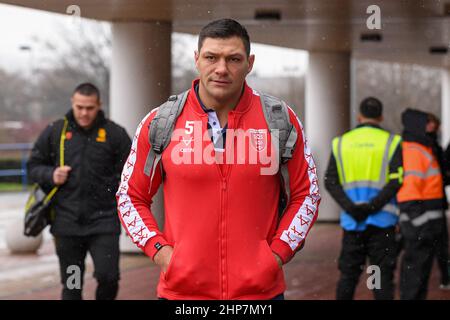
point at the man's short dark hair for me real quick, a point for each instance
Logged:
(224, 29)
(87, 89)
(371, 108)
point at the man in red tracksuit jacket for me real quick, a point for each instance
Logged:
(223, 237)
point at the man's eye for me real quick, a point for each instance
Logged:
(235, 59)
(210, 58)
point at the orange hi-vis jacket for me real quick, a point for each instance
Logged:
(422, 175)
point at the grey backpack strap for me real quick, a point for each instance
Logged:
(277, 117)
(161, 128)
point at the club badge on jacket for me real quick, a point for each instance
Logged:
(101, 137)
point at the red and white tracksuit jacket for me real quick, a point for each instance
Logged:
(221, 219)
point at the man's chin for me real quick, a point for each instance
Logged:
(85, 124)
(219, 93)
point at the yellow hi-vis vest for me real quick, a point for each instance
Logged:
(362, 158)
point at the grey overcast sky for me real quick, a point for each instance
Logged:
(18, 26)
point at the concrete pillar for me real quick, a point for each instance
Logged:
(445, 114)
(140, 70)
(140, 81)
(445, 106)
(326, 114)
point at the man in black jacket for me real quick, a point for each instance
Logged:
(85, 220)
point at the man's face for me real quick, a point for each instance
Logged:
(432, 126)
(85, 109)
(223, 65)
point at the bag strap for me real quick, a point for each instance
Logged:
(161, 128)
(280, 126)
(283, 135)
(50, 195)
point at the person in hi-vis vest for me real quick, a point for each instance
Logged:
(363, 176)
(422, 205)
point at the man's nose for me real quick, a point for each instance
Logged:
(221, 67)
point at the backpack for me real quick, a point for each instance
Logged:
(277, 116)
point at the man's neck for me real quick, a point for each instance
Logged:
(369, 122)
(221, 107)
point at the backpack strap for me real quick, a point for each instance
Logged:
(62, 139)
(161, 128)
(280, 126)
(282, 131)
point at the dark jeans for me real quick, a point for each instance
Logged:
(420, 248)
(104, 250)
(380, 246)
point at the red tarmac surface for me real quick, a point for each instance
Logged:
(312, 274)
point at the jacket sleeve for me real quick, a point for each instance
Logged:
(334, 187)
(41, 164)
(302, 209)
(134, 196)
(391, 188)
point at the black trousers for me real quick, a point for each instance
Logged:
(104, 250)
(442, 254)
(420, 247)
(380, 247)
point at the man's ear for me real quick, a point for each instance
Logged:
(251, 61)
(359, 118)
(196, 57)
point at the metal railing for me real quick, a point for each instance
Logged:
(24, 148)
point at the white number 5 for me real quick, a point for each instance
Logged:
(189, 127)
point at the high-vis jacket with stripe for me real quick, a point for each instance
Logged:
(221, 219)
(421, 196)
(362, 157)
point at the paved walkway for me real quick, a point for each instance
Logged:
(312, 274)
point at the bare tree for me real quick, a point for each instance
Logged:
(78, 55)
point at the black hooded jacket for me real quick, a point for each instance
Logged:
(414, 127)
(86, 203)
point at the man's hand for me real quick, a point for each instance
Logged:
(60, 175)
(361, 211)
(163, 256)
(279, 261)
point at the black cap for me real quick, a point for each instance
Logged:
(371, 108)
